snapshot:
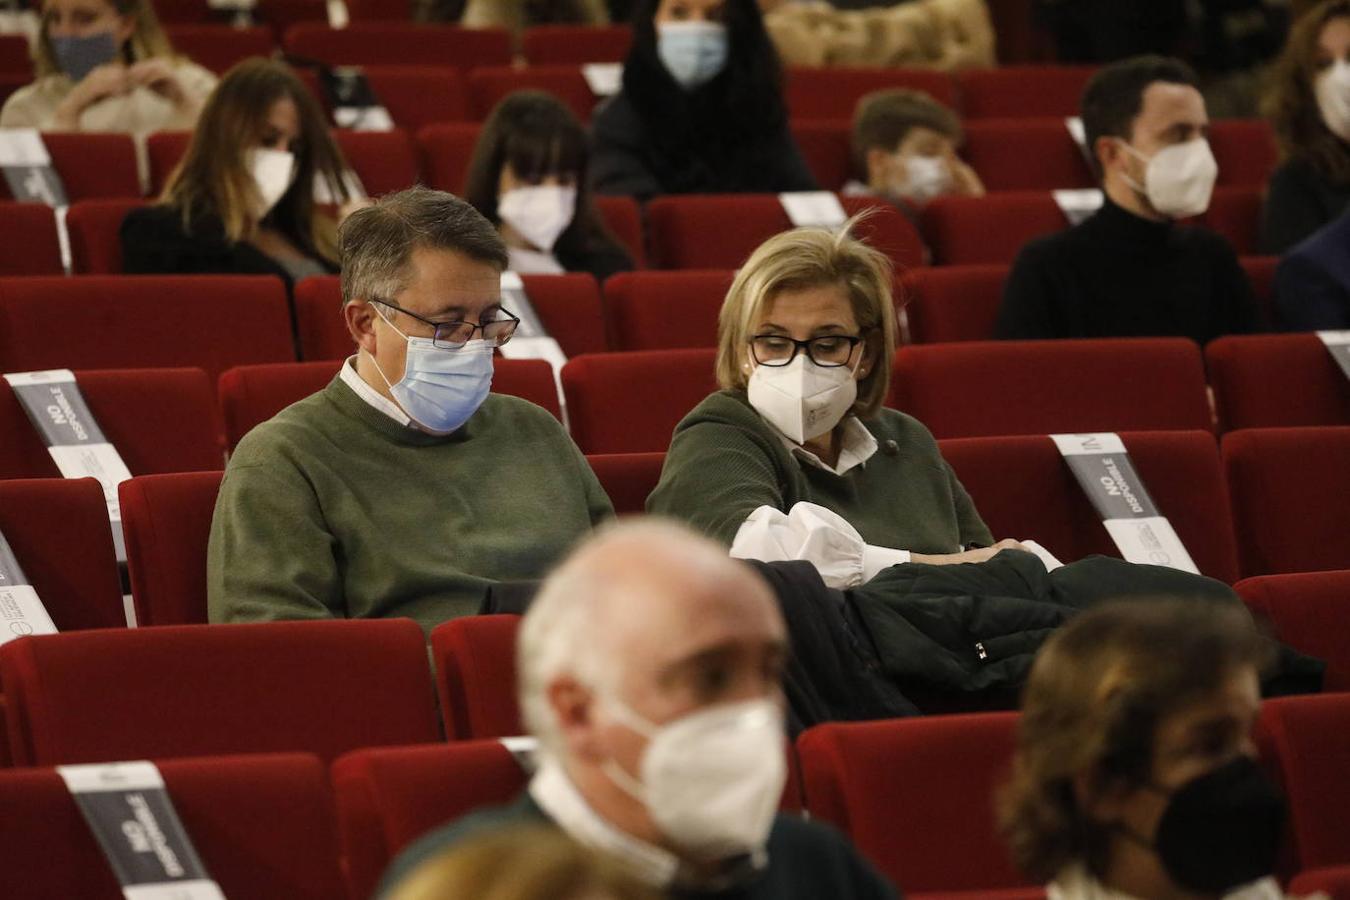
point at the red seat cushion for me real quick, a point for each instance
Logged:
(167, 521)
(1307, 611)
(631, 402)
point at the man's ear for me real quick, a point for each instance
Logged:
(360, 318)
(573, 706)
(1107, 150)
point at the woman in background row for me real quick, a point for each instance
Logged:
(528, 177)
(701, 109)
(243, 200)
(106, 65)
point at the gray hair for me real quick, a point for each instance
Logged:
(375, 244)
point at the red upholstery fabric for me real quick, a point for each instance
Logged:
(91, 164)
(417, 96)
(250, 395)
(379, 10)
(1245, 150)
(1334, 881)
(574, 45)
(833, 93)
(160, 420)
(953, 303)
(388, 798)
(1026, 155)
(219, 47)
(446, 151)
(1289, 487)
(718, 231)
(281, 14)
(1307, 611)
(989, 229)
(263, 825)
(628, 478)
(1276, 380)
(665, 310)
(475, 660)
(153, 320)
(1044, 387)
(857, 776)
(164, 149)
(385, 161)
(1260, 272)
(826, 144)
(15, 57)
(95, 228)
(400, 43)
(1023, 489)
(199, 690)
(631, 402)
(167, 522)
(31, 245)
(58, 530)
(490, 85)
(1235, 213)
(319, 320)
(623, 217)
(1022, 91)
(1311, 736)
(529, 379)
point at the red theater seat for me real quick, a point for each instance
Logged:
(164, 149)
(263, 826)
(1311, 737)
(385, 161)
(379, 10)
(160, 420)
(1306, 611)
(95, 228)
(979, 388)
(665, 310)
(575, 45)
(446, 152)
(989, 229)
(858, 776)
(475, 660)
(490, 85)
(91, 165)
(719, 231)
(15, 57)
(631, 402)
(400, 44)
(1023, 489)
(417, 96)
(1026, 155)
(833, 93)
(167, 523)
(58, 530)
(1260, 272)
(1289, 487)
(953, 303)
(1022, 91)
(628, 478)
(623, 218)
(1245, 150)
(1334, 881)
(390, 797)
(31, 245)
(209, 322)
(827, 148)
(219, 47)
(1235, 213)
(200, 690)
(1275, 381)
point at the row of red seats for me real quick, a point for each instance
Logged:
(98, 696)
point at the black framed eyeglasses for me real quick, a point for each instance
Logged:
(827, 351)
(454, 335)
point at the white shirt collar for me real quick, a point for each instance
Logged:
(353, 380)
(858, 446)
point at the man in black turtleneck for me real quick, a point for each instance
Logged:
(1130, 270)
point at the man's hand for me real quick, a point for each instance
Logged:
(979, 555)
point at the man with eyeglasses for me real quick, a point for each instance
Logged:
(403, 488)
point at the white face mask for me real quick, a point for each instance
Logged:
(1179, 178)
(1332, 88)
(803, 400)
(440, 389)
(273, 173)
(692, 52)
(712, 780)
(539, 212)
(924, 177)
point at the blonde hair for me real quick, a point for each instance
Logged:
(147, 37)
(805, 258)
(525, 863)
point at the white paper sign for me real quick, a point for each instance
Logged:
(1079, 204)
(604, 79)
(531, 340)
(22, 613)
(1076, 131)
(1338, 345)
(813, 208)
(22, 147)
(363, 118)
(525, 749)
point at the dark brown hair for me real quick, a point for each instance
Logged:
(883, 118)
(1114, 96)
(1291, 105)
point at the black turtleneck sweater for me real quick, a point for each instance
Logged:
(1120, 275)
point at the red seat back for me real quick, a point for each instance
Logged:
(988, 229)
(720, 231)
(623, 217)
(95, 228)
(1245, 150)
(1276, 380)
(574, 45)
(1045, 387)
(1289, 487)
(1023, 489)
(1026, 155)
(200, 690)
(1334, 881)
(1306, 610)
(490, 85)
(58, 530)
(446, 152)
(160, 420)
(250, 395)
(219, 47)
(91, 164)
(1022, 91)
(628, 478)
(417, 96)
(209, 322)
(164, 150)
(475, 660)
(385, 161)
(665, 310)
(953, 303)
(1260, 272)
(631, 402)
(31, 245)
(167, 523)
(1235, 213)
(1311, 737)
(827, 147)
(857, 775)
(379, 10)
(262, 824)
(15, 57)
(834, 92)
(400, 43)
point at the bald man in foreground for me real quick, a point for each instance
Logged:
(650, 667)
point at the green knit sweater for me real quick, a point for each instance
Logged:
(725, 462)
(333, 509)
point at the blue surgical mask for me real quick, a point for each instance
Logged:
(78, 56)
(440, 389)
(692, 52)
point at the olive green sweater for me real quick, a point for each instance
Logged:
(725, 462)
(333, 509)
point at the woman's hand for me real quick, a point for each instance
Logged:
(159, 76)
(105, 81)
(978, 555)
